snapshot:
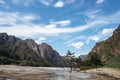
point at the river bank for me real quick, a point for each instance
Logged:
(27, 73)
(110, 72)
(13, 72)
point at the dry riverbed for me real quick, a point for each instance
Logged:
(115, 73)
(11, 72)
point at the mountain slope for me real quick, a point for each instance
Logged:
(45, 52)
(27, 50)
(15, 48)
(109, 50)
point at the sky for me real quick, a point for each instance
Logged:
(75, 25)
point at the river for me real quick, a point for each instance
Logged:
(45, 73)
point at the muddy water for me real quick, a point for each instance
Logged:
(50, 74)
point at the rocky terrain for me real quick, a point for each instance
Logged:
(109, 50)
(115, 73)
(15, 50)
(10, 72)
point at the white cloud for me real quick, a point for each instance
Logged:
(77, 45)
(3, 4)
(53, 3)
(37, 29)
(104, 34)
(107, 31)
(23, 2)
(99, 1)
(16, 18)
(75, 39)
(110, 19)
(50, 26)
(59, 4)
(46, 2)
(42, 38)
(94, 38)
(62, 23)
(69, 1)
(92, 14)
(22, 25)
(100, 19)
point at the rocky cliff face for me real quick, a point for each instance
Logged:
(45, 52)
(15, 48)
(109, 50)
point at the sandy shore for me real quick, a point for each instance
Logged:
(115, 73)
(28, 73)
(13, 72)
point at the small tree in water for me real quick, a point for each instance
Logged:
(70, 56)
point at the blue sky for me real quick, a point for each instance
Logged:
(75, 25)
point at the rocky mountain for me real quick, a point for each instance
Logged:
(109, 50)
(45, 52)
(27, 50)
(83, 56)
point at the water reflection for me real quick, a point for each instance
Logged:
(59, 75)
(6, 78)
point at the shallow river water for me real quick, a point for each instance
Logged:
(49, 74)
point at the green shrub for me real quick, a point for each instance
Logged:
(85, 67)
(113, 66)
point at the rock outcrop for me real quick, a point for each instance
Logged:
(15, 48)
(109, 50)
(45, 52)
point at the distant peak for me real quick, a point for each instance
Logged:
(29, 40)
(3, 34)
(44, 44)
(119, 26)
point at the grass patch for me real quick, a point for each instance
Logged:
(84, 68)
(117, 66)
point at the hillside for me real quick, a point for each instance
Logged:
(26, 52)
(109, 50)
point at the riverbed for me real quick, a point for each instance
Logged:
(12, 72)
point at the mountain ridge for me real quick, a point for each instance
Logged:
(109, 49)
(15, 48)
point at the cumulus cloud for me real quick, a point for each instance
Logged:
(99, 1)
(107, 31)
(77, 45)
(59, 4)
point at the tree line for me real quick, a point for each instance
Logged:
(92, 61)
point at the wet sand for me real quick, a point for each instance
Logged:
(11, 72)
